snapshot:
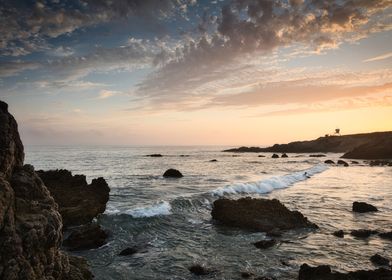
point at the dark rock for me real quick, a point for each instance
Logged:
(354, 162)
(260, 156)
(324, 272)
(363, 207)
(275, 156)
(339, 233)
(342, 162)
(79, 202)
(244, 149)
(30, 225)
(380, 163)
(213, 160)
(246, 275)
(265, 244)
(172, 173)
(380, 148)
(274, 233)
(363, 233)
(317, 155)
(328, 161)
(284, 156)
(264, 278)
(386, 235)
(198, 269)
(128, 251)
(379, 260)
(86, 237)
(259, 214)
(154, 155)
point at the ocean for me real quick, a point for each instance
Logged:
(170, 220)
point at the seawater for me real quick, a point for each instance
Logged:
(170, 221)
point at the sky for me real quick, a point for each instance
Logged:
(193, 72)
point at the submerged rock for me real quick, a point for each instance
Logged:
(275, 156)
(339, 233)
(363, 207)
(154, 155)
(265, 244)
(198, 269)
(258, 214)
(128, 251)
(213, 160)
(354, 162)
(317, 155)
(379, 260)
(342, 162)
(363, 233)
(260, 156)
(324, 272)
(172, 173)
(79, 202)
(284, 156)
(86, 237)
(328, 161)
(386, 235)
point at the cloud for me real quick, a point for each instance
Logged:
(12, 68)
(380, 57)
(104, 94)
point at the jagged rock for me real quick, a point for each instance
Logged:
(324, 272)
(128, 251)
(379, 260)
(79, 202)
(363, 207)
(86, 237)
(265, 244)
(198, 269)
(386, 235)
(363, 233)
(284, 156)
(342, 162)
(339, 233)
(172, 173)
(154, 155)
(259, 214)
(328, 161)
(275, 156)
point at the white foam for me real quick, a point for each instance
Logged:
(157, 209)
(270, 184)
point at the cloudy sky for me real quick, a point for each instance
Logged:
(193, 72)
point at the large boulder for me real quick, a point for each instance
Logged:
(324, 272)
(258, 214)
(30, 225)
(79, 202)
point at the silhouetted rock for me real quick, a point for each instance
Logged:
(284, 156)
(259, 214)
(128, 251)
(265, 244)
(363, 233)
(363, 207)
(154, 155)
(354, 162)
(328, 161)
(198, 269)
(379, 260)
(377, 149)
(324, 272)
(213, 160)
(275, 156)
(30, 225)
(317, 155)
(339, 233)
(86, 237)
(172, 173)
(342, 162)
(79, 202)
(386, 235)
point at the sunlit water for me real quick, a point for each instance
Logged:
(170, 218)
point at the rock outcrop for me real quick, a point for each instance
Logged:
(78, 201)
(324, 272)
(30, 224)
(377, 149)
(258, 214)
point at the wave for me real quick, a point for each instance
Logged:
(270, 184)
(157, 209)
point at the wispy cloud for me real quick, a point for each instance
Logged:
(380, 57)
(104, 94)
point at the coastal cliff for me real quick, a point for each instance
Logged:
(30, 224)
(376, 145)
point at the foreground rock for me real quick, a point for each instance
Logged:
(258, 214)
(79, 202)
(30, 224)
(172, 173)
(324, 272)
(363, 207)
(86, 237)
(379, 260)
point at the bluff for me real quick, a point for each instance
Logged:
(30, 224)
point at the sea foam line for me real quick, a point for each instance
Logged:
(157, 209)
(270, 184)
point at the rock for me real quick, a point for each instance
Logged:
(260, 156)
(284, 156)
(265, 244)
(213, 160)
(363, 233)
(328, 161)
(264, 278)
(86, 237)
(172, 173)
(246, 275)
(128, 251)
(379, 260)
(386, 235)
(380, 163)
(198, 269)
(258, 214)
(363, 207)
(79, 202)
(275, 156)
(274, 233)
(154, 155)
(317, 155)
(354, 162)
(324, 272)
(339, 233)
(342, 162)
(380, 148)
(30, 224)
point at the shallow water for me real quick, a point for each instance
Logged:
(170, 218)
